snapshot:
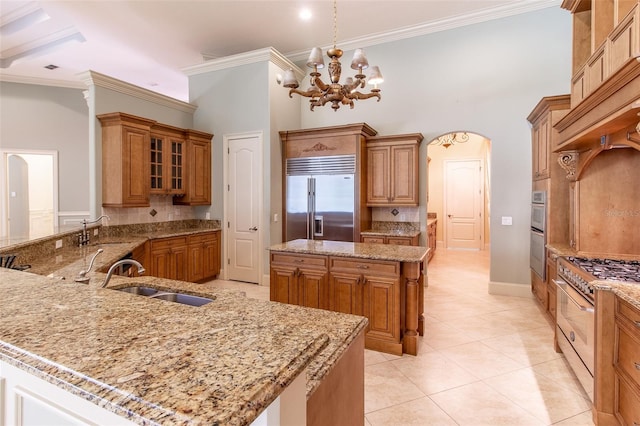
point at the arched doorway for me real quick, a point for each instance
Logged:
(458, 189)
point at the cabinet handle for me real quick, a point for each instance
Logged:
(296, 273)
(363, 266)
(298, 261)
(637, 323)
(637, 364)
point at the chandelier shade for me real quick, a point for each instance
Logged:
(452, 138)
(321, 93)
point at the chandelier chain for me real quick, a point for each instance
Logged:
(335, 23)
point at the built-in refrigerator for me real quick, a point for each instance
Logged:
(320, 198)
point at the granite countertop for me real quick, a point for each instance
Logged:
(359, 250)
(629, 292)
(154, 361)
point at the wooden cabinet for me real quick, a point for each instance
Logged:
(198, 170)
(432, 228)
(617, 361)
(371, 289)
(300, 280)
(167, 161)
(125, 160)
(393, 171)
(141, 157)
(395, 240)
(544, 138)
(552, 275)
(203, 256)
(169, 258)
(606, 37)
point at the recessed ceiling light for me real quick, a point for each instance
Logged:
(51, 67)
(305, 14)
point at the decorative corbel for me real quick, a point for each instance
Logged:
(568, 160)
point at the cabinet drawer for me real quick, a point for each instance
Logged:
(628, 359)
(627, 403)
(362, 266)
(201, 238)
(625, 310)
(399, 241)
(167, 243)
(373, 240)
(299, 259)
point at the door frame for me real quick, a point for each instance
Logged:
(4, 181)
(481, 183)
(259, 136)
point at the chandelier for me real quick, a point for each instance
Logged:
(336, 93)
(451, 138)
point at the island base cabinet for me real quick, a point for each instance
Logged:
(339, 399)
(31, 401)
(299, 280)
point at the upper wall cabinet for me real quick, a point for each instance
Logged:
(125, 160)
(198, 169)
(393, 170)
(167, 160)
(141, 157)
(543, 136)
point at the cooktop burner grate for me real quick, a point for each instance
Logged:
(609, 269)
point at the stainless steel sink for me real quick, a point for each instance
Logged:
(185, 299)
(143, 291)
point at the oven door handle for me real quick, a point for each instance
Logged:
(561, 284)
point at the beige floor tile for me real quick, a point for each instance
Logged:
(373, 357)
(560, 371)
(421, 411)
(385, 386)
(528, 347)
(478, 404)
(433, 372)
(441, 335)
(481, 360)
(540, 396)
(582, 419)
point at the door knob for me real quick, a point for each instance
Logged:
(255, 228)
(449, 216)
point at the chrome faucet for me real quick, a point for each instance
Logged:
(82, 276)
(119, 263)
(83, 237)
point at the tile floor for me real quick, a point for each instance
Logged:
(484, 359)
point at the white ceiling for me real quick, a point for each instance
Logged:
(149, 42)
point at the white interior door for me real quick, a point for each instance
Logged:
(464, 201)
(244, 171)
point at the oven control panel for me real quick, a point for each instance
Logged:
(575, 279)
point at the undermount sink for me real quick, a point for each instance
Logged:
(152, 293)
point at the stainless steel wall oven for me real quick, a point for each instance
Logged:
(537, 258)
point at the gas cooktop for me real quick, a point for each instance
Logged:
(609, 269)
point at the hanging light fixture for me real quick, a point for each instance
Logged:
(334, 92)
(451, 138)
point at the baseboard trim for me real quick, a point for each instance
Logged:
(266, 279)
(510, 289)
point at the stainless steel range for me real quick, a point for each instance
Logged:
(575, 320)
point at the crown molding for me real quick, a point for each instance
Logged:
(260, 55)
(92, 78)
(434, 27)
(10, 78)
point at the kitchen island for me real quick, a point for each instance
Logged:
(157, 362)
(382, 282)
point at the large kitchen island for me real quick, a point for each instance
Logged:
(382, 282)
(68, 349)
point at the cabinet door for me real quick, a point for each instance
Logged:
(196, 260)
(198, 173)
(157, 174)
(381, 307)
(541, 135)
(345, 293)
(161, 263)
(378, 172)
(179, 263)
(135, 169)
(404, 184)
(399, 241)
(313, 288)
(212, 256)
(283, 284)
(175, 166)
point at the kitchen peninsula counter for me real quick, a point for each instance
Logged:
(383, 282)
(159, 362)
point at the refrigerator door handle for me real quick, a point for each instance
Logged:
(311, 206)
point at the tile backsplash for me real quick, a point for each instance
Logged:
(160, 210)
(405, 214)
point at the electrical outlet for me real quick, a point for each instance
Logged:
(96, 232)
(275, 217)
(58, 244)
(207, 215)
(507, 220)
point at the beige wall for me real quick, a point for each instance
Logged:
(477, 147)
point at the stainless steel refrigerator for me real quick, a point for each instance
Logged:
(320, 198)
